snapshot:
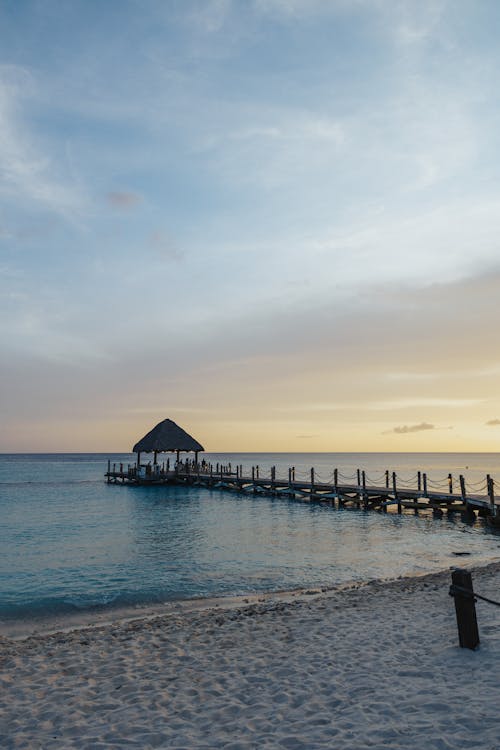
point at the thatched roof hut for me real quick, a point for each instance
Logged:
(166, 436)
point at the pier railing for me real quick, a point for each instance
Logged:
(381, 491)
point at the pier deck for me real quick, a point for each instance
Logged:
(388, 496)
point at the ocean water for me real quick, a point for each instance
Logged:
(69, 541)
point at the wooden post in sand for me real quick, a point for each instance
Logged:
(465, 608)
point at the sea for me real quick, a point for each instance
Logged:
(70, 542)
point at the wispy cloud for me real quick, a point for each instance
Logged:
(210, 15)
(27, 172)
(406, 429)
(165, 246)
(493, 422)
(125, 200)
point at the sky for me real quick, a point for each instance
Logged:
(276, 222)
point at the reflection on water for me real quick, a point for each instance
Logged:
(70, 540)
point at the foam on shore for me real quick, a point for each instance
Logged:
(371, 666)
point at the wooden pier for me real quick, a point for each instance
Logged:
(388, 494)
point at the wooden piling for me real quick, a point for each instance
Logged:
(395, 490)
(463, 491)
(465, 608)
(491, 494)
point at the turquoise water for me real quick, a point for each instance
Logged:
(69, 541)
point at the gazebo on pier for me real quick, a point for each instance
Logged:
(166, 437)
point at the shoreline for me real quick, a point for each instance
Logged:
(368, 666)
(23, 629)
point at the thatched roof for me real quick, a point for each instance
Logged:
(167, 436)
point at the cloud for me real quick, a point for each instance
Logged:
(27, 171)
(124, 199)
(493, 422)
(164, 246)
(405, 429)
(210, 16)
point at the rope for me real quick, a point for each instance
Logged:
(476, 485)
(477, 490)
(442, 483)
(454, 589)
(347, 477)
(411, 480)
(375, 480)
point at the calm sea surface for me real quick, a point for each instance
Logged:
(69, 541)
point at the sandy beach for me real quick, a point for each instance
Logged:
(373, 666)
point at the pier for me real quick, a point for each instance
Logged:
(387, 493)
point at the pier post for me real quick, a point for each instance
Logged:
(253, 473)
(257, 470)
(419, 481)
(289, 477)
(312, 483)
(424, 480)
(462, 489)
(336, 480)
(387, 479)
(365, 497)
(273, 475)
(465, 608)
(491, 493)
(394, 488)
(109, 469)
(450, 483)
